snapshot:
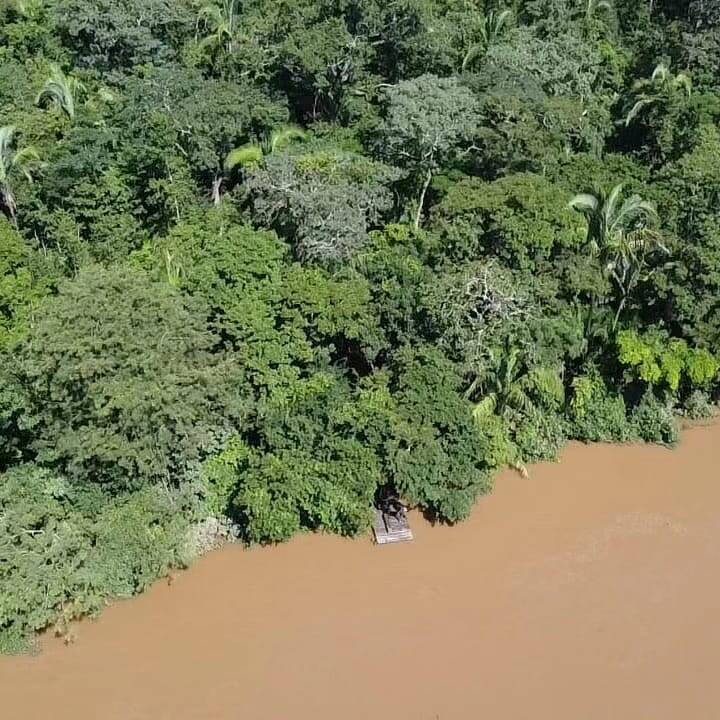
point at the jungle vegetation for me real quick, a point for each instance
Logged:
(263, 259)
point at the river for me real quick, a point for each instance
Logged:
(588, 591)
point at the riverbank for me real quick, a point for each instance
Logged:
(588, 590)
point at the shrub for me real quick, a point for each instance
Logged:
(539, 434)
(63, 553)
(595, 414)
(653, 421)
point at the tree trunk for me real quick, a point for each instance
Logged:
(8, 200)
(217, 190)
(421, 201)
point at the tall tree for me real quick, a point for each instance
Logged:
(428, 119)
(219, 23)
(621, 234)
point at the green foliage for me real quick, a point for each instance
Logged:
(522, 219)
(324, 202)
(428, 118)
(310, 469)
(564, 64)
(262, 262)
(595, 413)
(436, 454)
(660, 361)
(121, 386)
(20, 289)
(64, 552)
(653, 421)
(111, 35)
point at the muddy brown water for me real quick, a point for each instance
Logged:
(590, 590)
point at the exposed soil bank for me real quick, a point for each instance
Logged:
(589, 591)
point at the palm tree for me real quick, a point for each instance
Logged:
(219, 22)
(621, 234)
(252, 155)
(491, 29)
(507, 382)
(13, 162)
(60, 90)
(662, 84)
(502, 385)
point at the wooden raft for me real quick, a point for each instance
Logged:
(389, 529)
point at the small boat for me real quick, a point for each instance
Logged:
(391, 524)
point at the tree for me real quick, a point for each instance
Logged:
(60, 90)
(21, 8)
(324, 201)
(665, 362)
(121, 385)
(436, 454)
(593, 8)
(522, 218)
(115, 35)
(14, 162)
(427, 119)
(621, 235)
(219, 22)
(561, 64)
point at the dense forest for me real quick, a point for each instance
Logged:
(261, 260)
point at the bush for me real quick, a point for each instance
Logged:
(595, 414)
(64, 553)
(653, 421)
(539, 434)
(699, 406)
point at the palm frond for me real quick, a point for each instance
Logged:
(684, 81)
(485, 407)
(246, 156)
(61, 90)
(584, 203)
(282, 137)
(637, 108)
(660, 73)
(474, 52)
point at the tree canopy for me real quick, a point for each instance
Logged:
(264, 262)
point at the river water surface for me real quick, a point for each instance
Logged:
(590, 590)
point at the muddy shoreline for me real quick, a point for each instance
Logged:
(588, 590)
